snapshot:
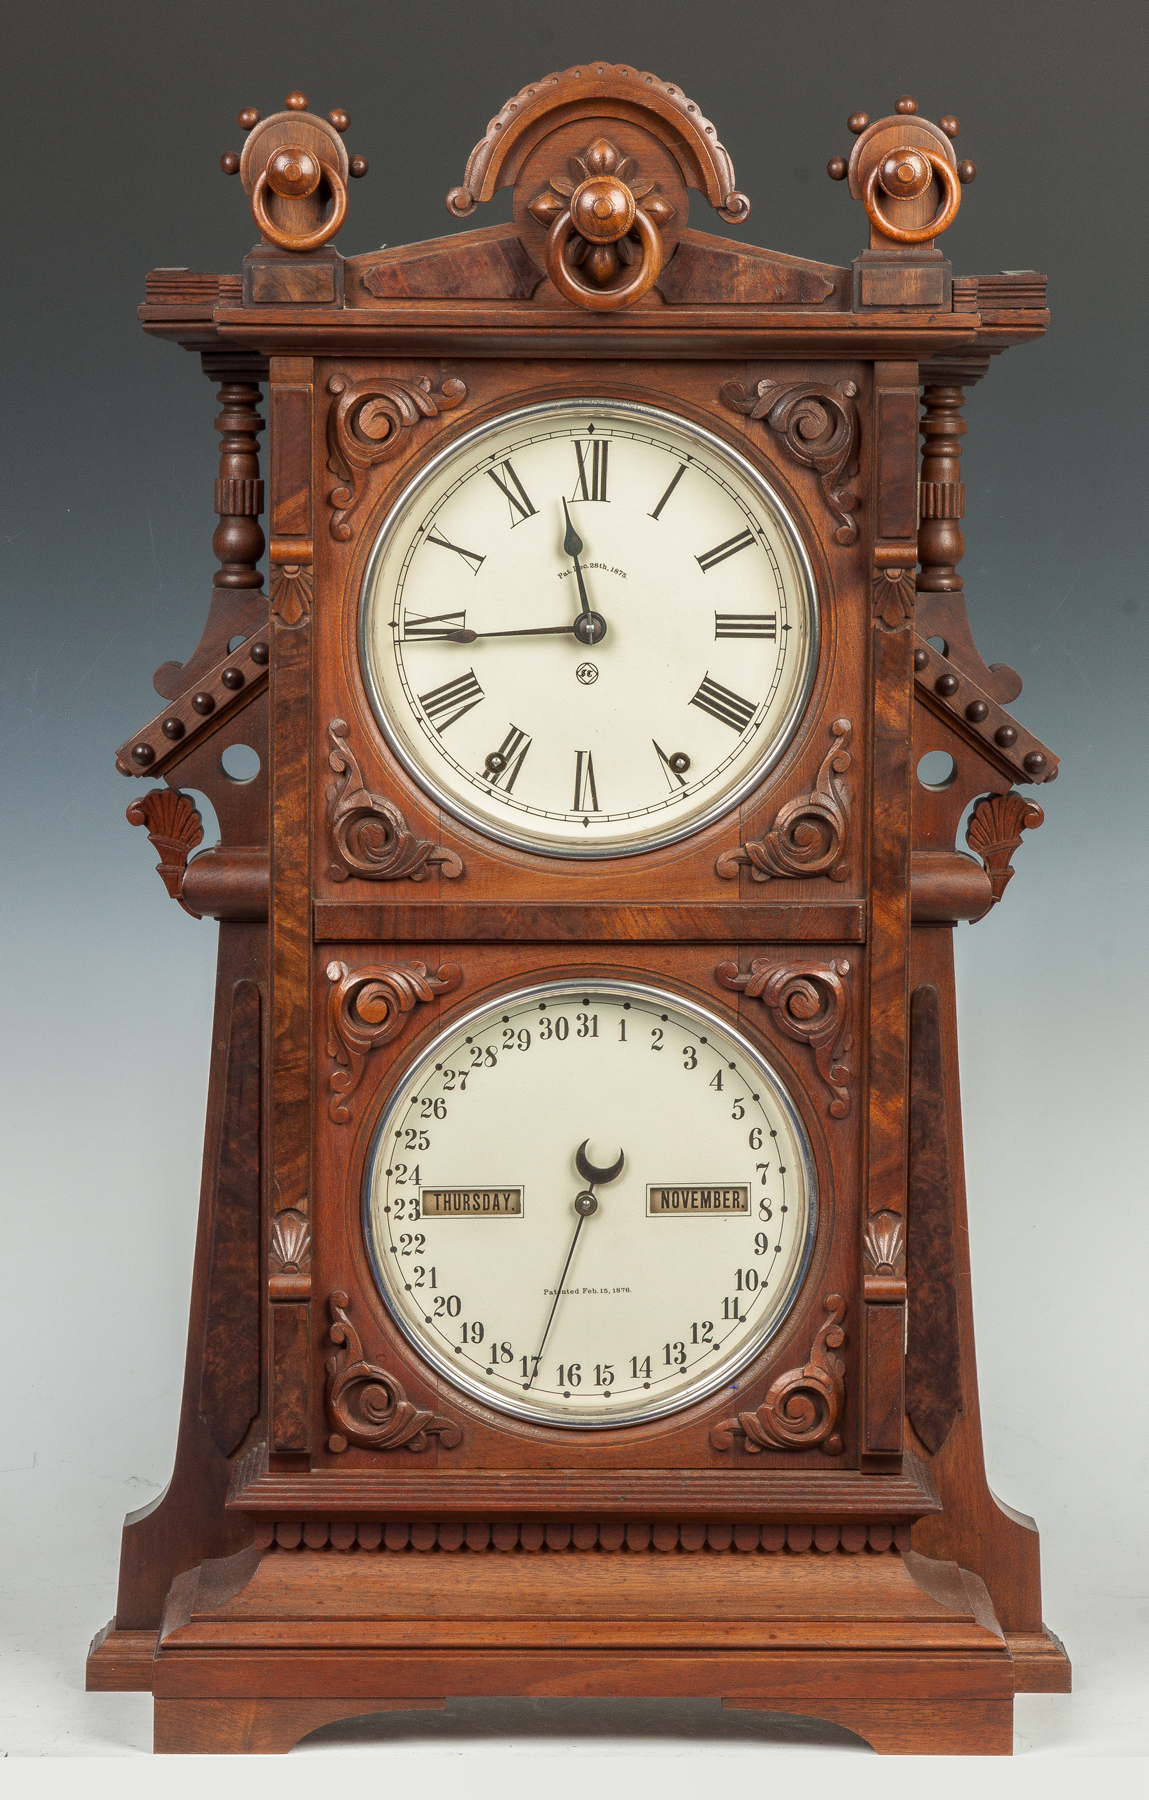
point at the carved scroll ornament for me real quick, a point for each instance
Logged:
(367, 1405)
(369, 837)
(819, 427)
(365, 427)
(994, 833)
(175, 828)
(810, 1003)
(809, 835)
(368, 1008)
(803, 1407)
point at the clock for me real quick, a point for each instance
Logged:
(581, 1301)
(589, 628)
(604, 1281)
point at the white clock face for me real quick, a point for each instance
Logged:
(588, 628)
(590, 1204)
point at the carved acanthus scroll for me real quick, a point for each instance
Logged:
(819, 426)
(810, 1003)
(809, 835)
(994, 833)
(804, 1406)
(366, 1009)
(369, 837)
(365, 427)
(368, 1405)
(175, 828)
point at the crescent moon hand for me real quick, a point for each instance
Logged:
(590, 1174)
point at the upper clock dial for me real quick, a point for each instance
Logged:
(588, 628)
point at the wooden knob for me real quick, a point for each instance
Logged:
(904, 175)
(339, 119)
(966, 172)
(857, 123)
(949, 125)
(248, 117)
(229, 162)
(602, 209)
(358, 167)
(907, 104)
(296, 102)
(836, 168)
(293, 172)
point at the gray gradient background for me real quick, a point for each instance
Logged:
(116, 117)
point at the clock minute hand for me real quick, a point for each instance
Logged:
(572, 544)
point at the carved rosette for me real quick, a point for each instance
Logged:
(804, 1406)
(810, 1003)
(602, 182)
(368, 1008)
(894, 597)
(365, 427)
(367, 1405)
(994, 833)
(819, 427)
(809, 835)
(292, 591)
(175, 828)
(369, 836)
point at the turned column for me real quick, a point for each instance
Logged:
(941, 544)
(238, 541)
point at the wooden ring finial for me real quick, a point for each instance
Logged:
(279, 183)
(604, 299)
(946, 213)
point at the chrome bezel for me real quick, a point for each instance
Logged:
(724, 803)
(638, 1413)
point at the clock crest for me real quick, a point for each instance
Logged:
(581, 1273)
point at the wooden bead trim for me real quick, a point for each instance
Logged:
(953, 698)
(216, 696)
(512, 1535)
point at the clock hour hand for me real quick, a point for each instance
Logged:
(585, 1204)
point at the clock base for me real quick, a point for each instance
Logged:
(259, 1649)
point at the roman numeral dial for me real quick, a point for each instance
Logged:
(588, 629)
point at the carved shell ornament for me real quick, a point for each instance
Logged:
(601, 219)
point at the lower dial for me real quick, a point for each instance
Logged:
(590, 1203)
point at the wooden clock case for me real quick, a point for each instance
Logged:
(345, 1531)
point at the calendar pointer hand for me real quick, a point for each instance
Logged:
(585, 1205)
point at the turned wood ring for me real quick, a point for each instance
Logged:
(604, 299)
(295, 173)
(946, 213)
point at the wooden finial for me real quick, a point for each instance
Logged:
(339, 119)
(229, 162)
(857, 122)
(907, 104)
(949, 125)
(248, 117)
(296, 102)
(358, 167)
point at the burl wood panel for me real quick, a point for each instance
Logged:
(171, 1533)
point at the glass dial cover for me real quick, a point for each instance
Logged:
(590, 1203)
(588, 628)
